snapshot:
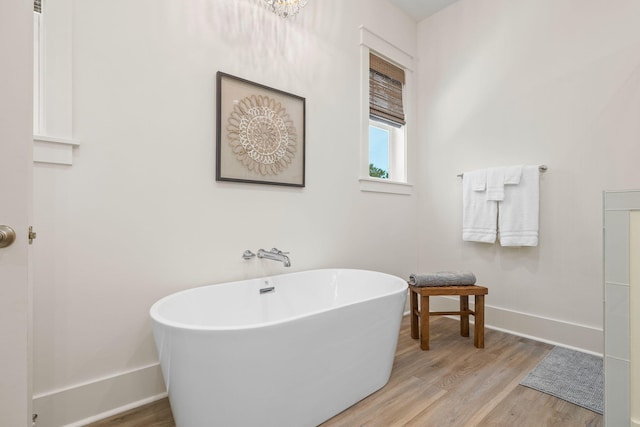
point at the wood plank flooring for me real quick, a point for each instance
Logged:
(453, 384)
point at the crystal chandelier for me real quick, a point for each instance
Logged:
(286, 8)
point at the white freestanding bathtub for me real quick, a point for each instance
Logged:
(287, 350)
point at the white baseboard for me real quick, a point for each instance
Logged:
(553, 331)
(85, 403)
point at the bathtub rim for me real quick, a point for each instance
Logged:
(161, 320)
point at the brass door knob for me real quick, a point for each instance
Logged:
(7, 236)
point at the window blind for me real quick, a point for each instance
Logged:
(37, 6)
(385, 90)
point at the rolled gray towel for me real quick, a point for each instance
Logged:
(443, 278)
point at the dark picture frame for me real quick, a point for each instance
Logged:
(260, 133)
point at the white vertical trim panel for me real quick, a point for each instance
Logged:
(634, 314)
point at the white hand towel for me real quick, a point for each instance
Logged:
(478, 180)
(495, 184)
(518, 218)
(479, 215)
(512, 175)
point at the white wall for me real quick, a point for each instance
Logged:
(530, 82)
(139, 215)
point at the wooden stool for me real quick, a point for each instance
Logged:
(420, 317)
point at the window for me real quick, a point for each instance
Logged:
(386, 151)
(386, 120)
(386, 76)
(378, 150)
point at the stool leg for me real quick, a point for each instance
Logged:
(478, 333)
(464, 318)
(415, 332)
(424, 322)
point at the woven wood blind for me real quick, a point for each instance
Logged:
(385, 90)
(37, 6)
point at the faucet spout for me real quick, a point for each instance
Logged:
(275, 255)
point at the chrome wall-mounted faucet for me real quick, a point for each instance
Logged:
(248, 254)
(275, 254)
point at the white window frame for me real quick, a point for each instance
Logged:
(53, 140)
(397, 183)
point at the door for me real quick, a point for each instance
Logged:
(16, 129)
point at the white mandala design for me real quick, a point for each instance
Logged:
(262, 135)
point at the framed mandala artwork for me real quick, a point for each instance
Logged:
(260, 133)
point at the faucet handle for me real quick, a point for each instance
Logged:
(248, 254)
(278, 251)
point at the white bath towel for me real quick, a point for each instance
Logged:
(518, 217)
(495, 183)
(479, 215)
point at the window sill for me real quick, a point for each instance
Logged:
(385, 186)
(52, 150)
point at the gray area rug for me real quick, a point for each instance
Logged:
(572, 376)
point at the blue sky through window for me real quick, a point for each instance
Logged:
(379, 147)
